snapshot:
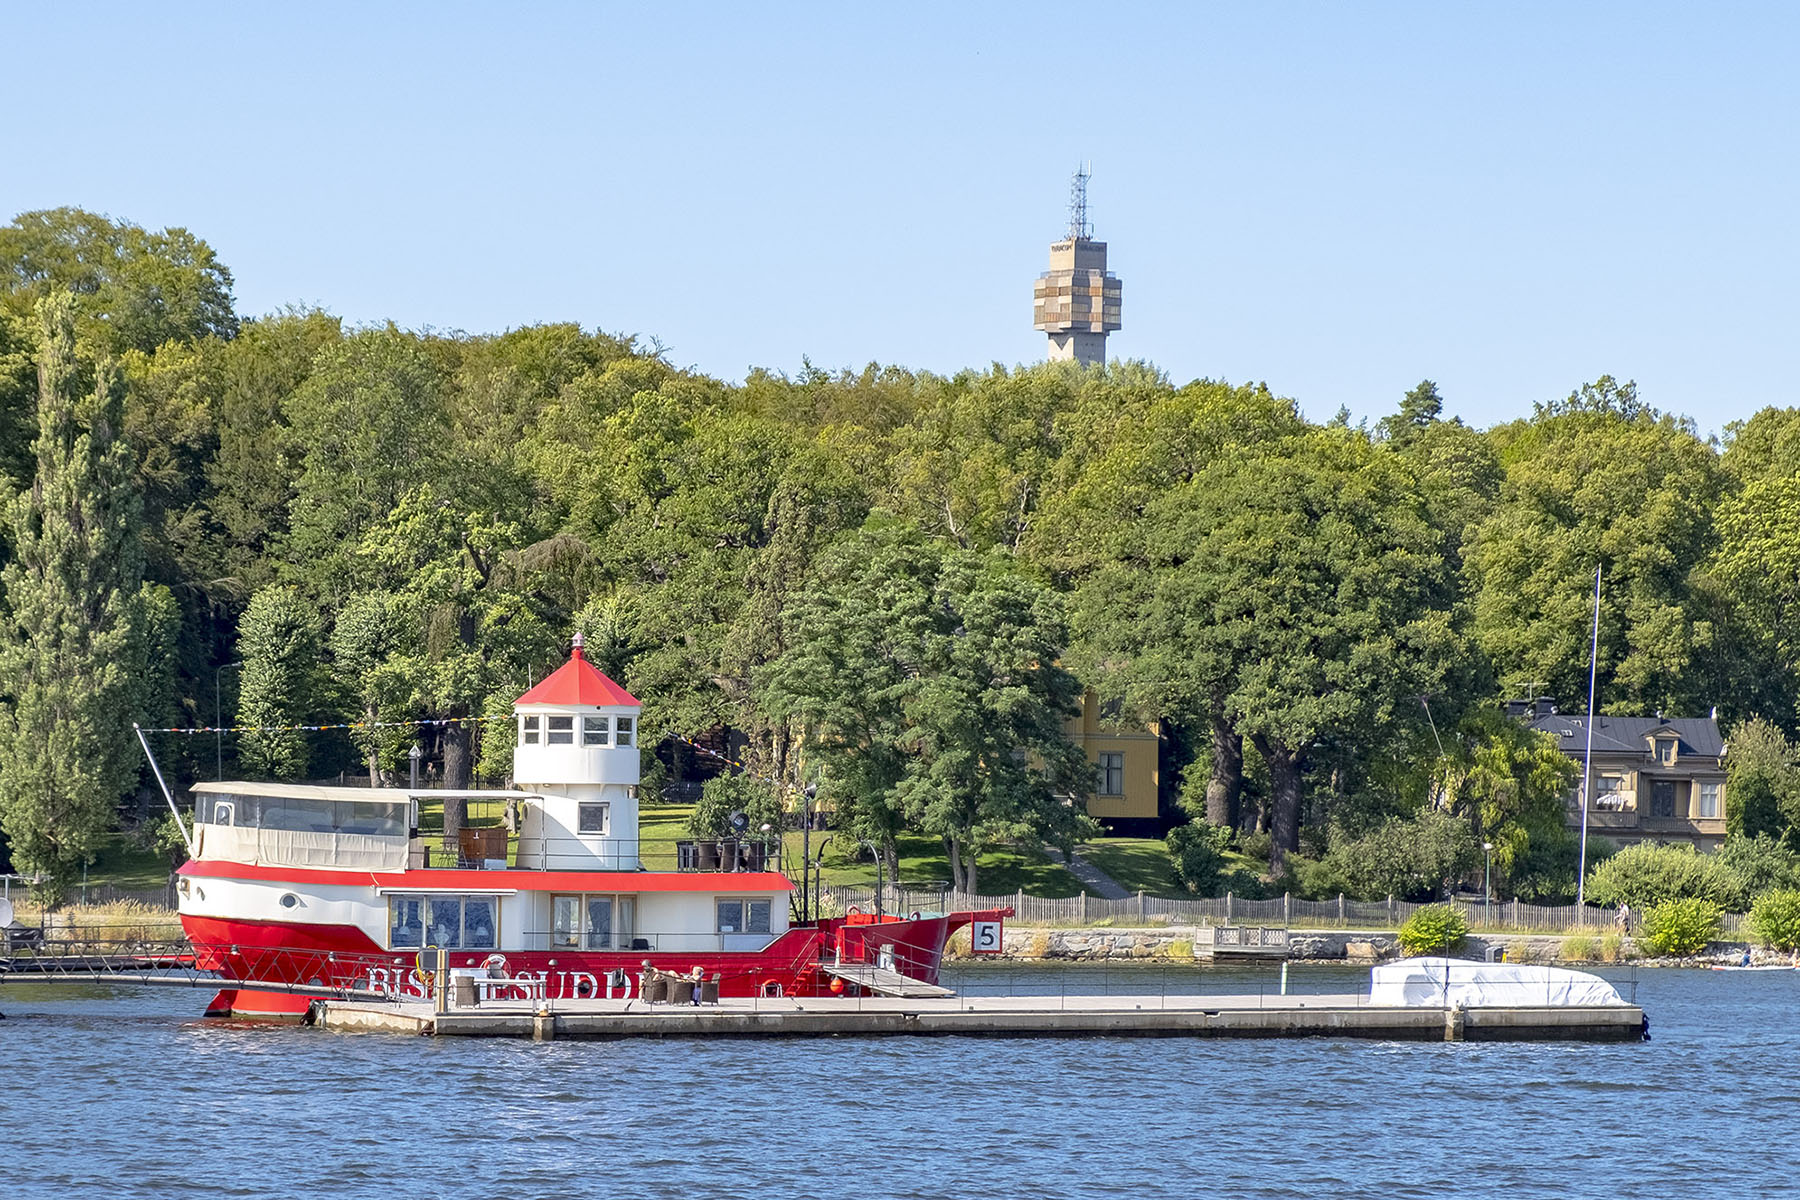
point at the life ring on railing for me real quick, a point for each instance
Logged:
(853, 911)
(495, 966)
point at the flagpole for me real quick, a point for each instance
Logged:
(1587, 759)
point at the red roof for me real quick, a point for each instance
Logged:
(578, 681)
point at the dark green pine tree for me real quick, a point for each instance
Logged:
(69, 645)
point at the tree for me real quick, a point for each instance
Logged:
(71, 657)
(1509, 782)
(1597, 481)
(1419, 408)
(926, 680)
(278, 640)
(1762, 788)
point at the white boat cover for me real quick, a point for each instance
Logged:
(1459, 982)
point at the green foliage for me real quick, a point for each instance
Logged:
(1409, 858)
(1647, 873)
(278, 642)
(1762, 788)
(926, 679)
(723, 795)
(1434, 929)
(1775, 919)
(1757, 865)
(1198, 851)
(71, 649)
(1680, 927)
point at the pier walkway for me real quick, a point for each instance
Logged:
(1250, 1016)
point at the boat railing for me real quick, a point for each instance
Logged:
(496, 848)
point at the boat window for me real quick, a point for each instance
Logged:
(592, 816)
(560, 731)
(624, 726)
(224, 813)
(528, 731)
(565, 921)
(744, 915)
(453, 922)
(596, 731)
(599, 922)
(303, 814)
(406, 921)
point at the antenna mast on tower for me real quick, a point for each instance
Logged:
(1078, 220)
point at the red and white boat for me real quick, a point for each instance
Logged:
(330, 887)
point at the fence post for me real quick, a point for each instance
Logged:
(1082, 907)
(1393, 917)
(1019, 904)
(1515, 906)
(1140, 917)
(1228, 908)
(1287, 908)
(1341, 917)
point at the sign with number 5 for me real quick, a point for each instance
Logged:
(984, 937)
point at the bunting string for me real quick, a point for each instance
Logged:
(321, 728)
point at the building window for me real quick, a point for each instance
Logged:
(1665, 751)
(593, 816)
(1662, 798)
(560, 731)
(528, 731)
(744, 916)
(624, 729)
(453, 922)
(1111, 775)
(596, 731)
(1608, 792)
(1709, 800)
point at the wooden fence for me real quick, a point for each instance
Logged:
(1288, 911)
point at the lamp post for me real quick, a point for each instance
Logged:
(1487, 877)
(414, 755)
(219, 718)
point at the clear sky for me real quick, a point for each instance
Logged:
(1339, 199)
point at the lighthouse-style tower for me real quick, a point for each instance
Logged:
(577, 748)
(1077, 301)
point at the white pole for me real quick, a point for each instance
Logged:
(186, 838)
(1587, 759)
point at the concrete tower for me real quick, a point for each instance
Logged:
(1076, 301)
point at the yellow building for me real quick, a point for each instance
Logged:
(1126, 772)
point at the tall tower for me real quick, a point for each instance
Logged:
(1076, 301)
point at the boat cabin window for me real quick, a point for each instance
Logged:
(596, 731)
(559, 731)
(453, 922)
(593, 922)
(747, 915)
(304, 814)
(593, 817)
(528, 731)
(624, 726)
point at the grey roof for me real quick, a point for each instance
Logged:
(1625, 735)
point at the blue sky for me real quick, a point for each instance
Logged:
(1338, 199)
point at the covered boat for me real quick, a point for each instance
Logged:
(1461, 983)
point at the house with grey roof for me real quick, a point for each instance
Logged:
(1655, 778)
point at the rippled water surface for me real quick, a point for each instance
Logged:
(127, 1094)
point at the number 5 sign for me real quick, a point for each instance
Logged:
(984, 937)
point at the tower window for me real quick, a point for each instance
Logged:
(560, 731)
(594, 817)
(528, 731)
(625, 733)
(596, 731)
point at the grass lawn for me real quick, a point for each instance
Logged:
(923, 862)
(1138, 864)
(122, 865)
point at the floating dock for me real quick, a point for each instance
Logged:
(1348, 1016)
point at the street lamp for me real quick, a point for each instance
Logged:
(415, 754)
(1487, 877)
(219, 718)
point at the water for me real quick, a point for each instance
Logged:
(126, 1094)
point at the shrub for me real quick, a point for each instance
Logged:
(1681, 927)
(1775, 919)
(1612, 946)
(1408, 857)
(1580, 948)
(1197, 851)
(1256, 846)
(1544, 871)
(1648, 874)
(1756, 865)
(1436, 927)
(723, 795)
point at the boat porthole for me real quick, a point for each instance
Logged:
(288, 900)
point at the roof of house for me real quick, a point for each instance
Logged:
(1698, 736)
(578, 681)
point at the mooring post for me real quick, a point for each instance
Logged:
(1455, 1023)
